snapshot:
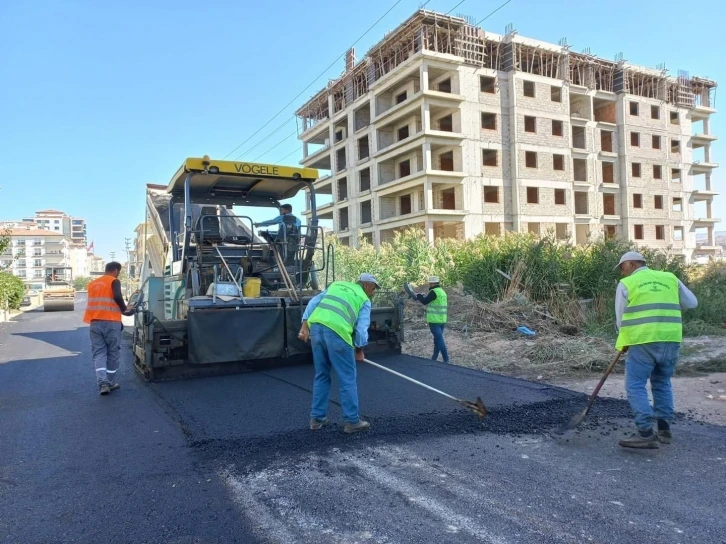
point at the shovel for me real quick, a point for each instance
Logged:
(577, 418)
(477, 407)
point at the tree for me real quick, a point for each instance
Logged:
(4, 242)
(11, 288)
(81, 283)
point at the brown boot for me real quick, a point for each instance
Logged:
(350, 428)
(640, 441)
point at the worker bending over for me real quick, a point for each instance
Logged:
(437, 312)
(103, 314)
(336, 321)
(648, 307)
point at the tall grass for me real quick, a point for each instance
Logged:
(543, 269)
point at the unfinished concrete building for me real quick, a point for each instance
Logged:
(460, 132)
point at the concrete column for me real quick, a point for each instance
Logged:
(429, 231)
(426, 116)
(427, 165)
(428, 195)
(424, 74)
(622, 166)
(513, 147)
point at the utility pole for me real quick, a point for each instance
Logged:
(127, 243)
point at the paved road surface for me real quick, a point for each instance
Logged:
(229, 459)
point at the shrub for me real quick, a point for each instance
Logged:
(11, 291)
(544, 270)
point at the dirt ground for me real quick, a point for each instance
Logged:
(700, 395)
(483, 336)
(702, 398)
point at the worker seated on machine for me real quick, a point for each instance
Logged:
(288, 232)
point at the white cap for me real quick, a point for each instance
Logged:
(630, 256)
(369, 278)
(433, 279)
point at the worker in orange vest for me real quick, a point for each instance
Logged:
(105, 307)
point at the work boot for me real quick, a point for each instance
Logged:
(114, 386)
(104, 390)
(317, 424)
(665, 436)
(641, 440)
(351, 428)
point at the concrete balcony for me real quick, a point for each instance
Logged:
(320, 160)
(709, 249)
(438, 95)
(701, 140)
(400, 184)
(407, 107)
(703, 195)
(611, 187)
(610, 219)
(703, 167)
(701, 112)
(318, 130)
(445, 177)
(705, 221)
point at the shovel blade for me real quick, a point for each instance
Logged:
(409, 290)
(477, 407)
(574, 421)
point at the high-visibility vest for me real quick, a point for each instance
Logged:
(437, 311)
(101, 305)
(339, 308)
(653, 313)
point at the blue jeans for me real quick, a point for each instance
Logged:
(329, 349)
(655, 361)
(437, 329)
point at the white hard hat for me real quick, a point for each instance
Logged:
(630, 256)
(369, 278)
(433, 279)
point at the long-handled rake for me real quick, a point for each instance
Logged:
(580, 416)
(477, 407)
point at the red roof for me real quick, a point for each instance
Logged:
(54, 212)
(33, 232)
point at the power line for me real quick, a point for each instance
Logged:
(288, 155)
(493, 12)
(276, 145)
(266, 137)
(317, 78)
(456, 6)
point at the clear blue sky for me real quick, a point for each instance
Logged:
(99, 98)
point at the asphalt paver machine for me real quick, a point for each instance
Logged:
(219, 296)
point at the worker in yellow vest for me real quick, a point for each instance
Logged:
(103, 313)
(648, 306)
(336, 321)
(437, 313)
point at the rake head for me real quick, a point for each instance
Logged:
(477, 407)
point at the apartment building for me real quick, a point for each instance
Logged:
(31, 251)
(72, 227)
(137, 253)
(462, 132)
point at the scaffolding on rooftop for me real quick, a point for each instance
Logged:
(456, 36)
